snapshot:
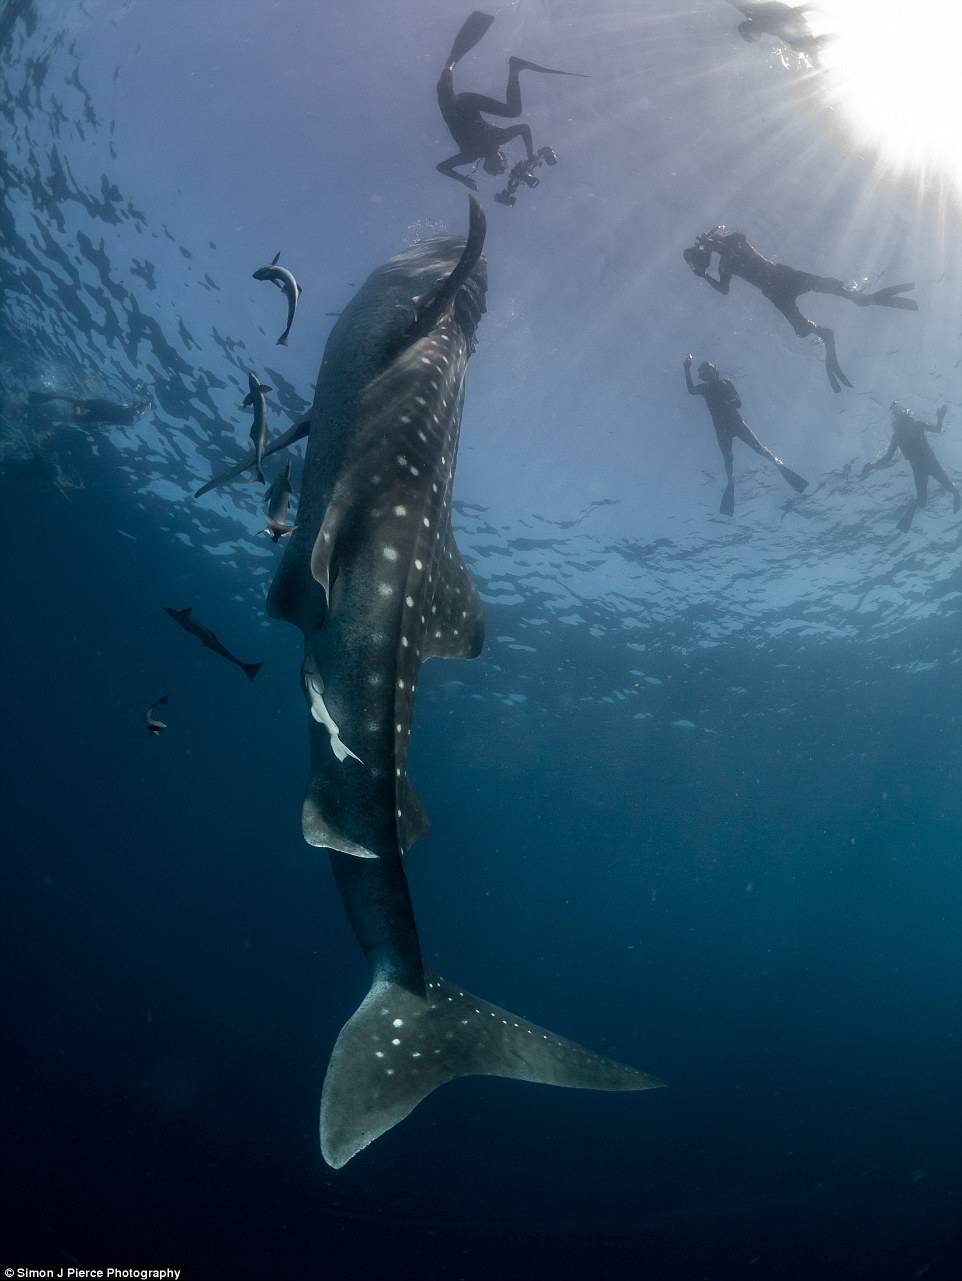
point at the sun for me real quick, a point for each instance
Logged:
(892, 70)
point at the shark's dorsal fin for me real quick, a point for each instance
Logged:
(275, 258)
(456, 625)
(432, 306)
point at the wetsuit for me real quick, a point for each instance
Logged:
(908, 436)
(476, 138)
(91, 411)
(784, 22)
(723, 404)
(782, 286)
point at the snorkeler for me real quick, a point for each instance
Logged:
(91, 412)
(782, 285)
(908, 435)
(783, 21)
(723, 405)
(475, 137)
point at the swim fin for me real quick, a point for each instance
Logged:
(521, 64)
(905, 521)
(727, 507)
(887, 298)
(473, 30)
(797, 482)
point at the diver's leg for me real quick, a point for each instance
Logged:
(727, 507)
(808, 283)
(39, 397)
(517, 131)
(788, 306)
(745, 433)
(938, 472)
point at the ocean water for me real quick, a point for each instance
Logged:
(698, 804)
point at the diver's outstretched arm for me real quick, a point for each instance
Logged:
(447, 168)
(884, 461)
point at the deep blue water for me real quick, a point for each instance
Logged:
(697, 805)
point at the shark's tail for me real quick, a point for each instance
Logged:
(251, 669)
(399, 1047)
(257, 476)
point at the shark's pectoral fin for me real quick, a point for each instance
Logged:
(399, 1046)
(456, 626)
(319, 832)
(296, 433)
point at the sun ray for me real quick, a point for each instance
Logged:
(891, 71)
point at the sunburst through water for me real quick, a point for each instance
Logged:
(892, 69)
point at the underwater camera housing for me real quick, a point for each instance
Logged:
(523, 172)
(698, 256)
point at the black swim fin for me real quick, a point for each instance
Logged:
(521, 64)
(797, 482)
(905, 520)
(888, 298)
(473, 30)
(727, 507)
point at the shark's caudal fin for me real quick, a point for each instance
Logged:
(399, 1047)
(251, 669)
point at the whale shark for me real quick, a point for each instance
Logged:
(373, 577)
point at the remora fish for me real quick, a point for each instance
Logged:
(154, 726)
(207, 638)
(288, 286)
(375, 581)
(255, 399)
(278, 501)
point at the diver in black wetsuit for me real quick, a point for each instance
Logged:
(782, 285)
(783, 21)
(475, 137)
(908, 435)
(92, 412)
(723, 404)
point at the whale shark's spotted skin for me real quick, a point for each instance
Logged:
(374, 579)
